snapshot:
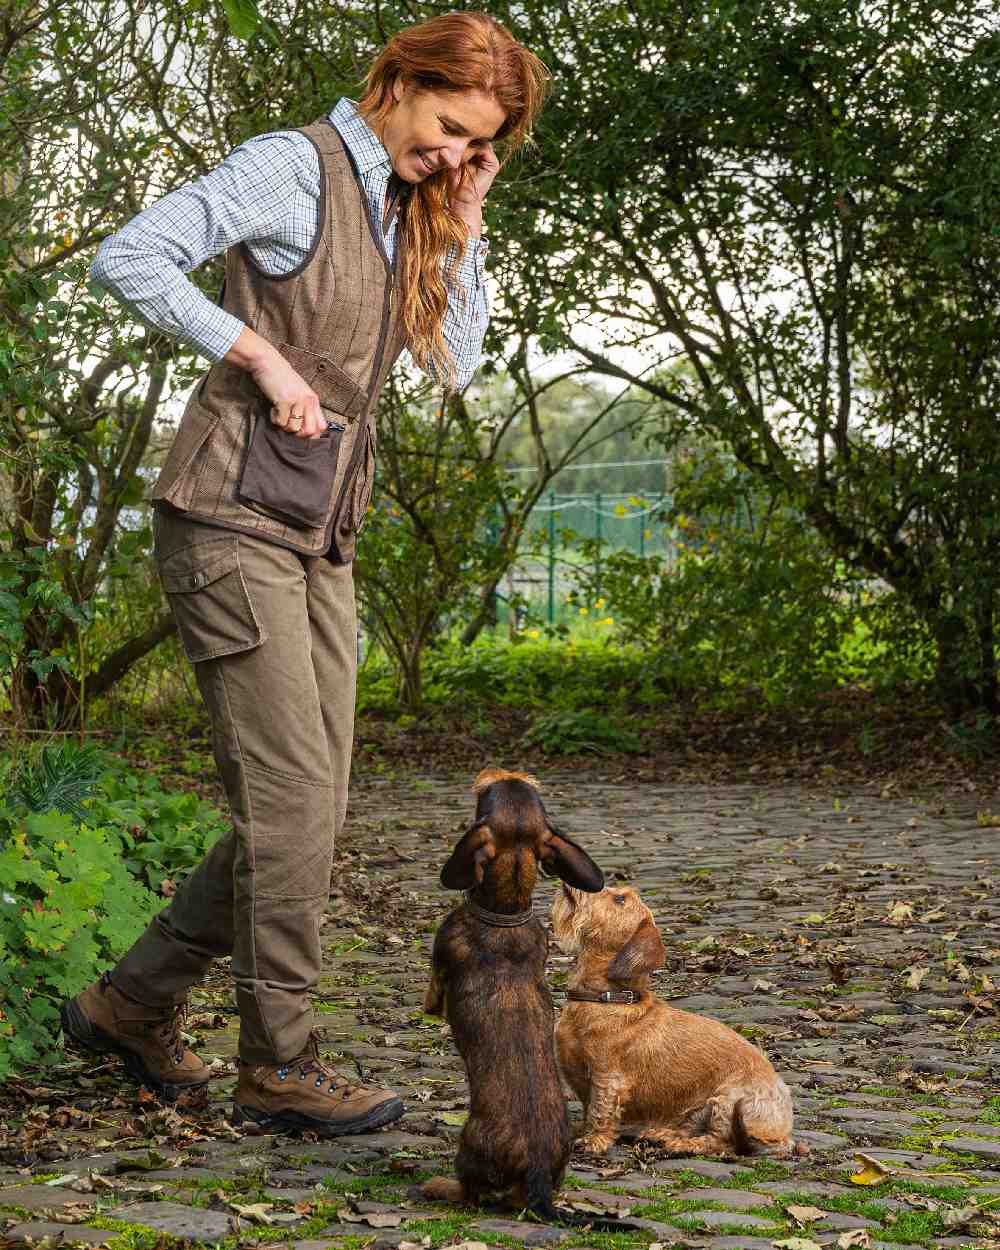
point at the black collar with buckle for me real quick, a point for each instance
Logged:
(497, 919)
(626, 997)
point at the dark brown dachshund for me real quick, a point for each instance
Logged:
(488, 981)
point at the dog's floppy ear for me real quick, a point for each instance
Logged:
(643, 952)
(563, 858)
(467, 862)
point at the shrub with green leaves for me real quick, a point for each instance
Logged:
(82, 838)
(69, 907)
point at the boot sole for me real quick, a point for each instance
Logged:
(296, 1121)
(85, 1033)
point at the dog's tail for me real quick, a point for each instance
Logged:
(762, 1122)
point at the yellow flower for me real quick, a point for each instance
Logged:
(608, 620)
(600, 604)
(534, 633)
(585, 611)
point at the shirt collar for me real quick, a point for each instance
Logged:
(363, 144)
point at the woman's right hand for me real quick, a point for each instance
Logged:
(294, 404)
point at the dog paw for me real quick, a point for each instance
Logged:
(594, 1144)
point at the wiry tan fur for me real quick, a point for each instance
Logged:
(489, 777)
(694, 1085)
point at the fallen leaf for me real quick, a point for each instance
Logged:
(936, 913)
(872, 1171)
(375, 1219)
(797, 1243)
(149, 1162)
(805, 1215)
(916, 976)
(814, 917)
(763, 985)
(256, 1212)
(957, 1217)
(854, 1237)
(453, 1117)
(900, 913)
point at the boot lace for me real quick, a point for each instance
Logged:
(309, 1064)
(169, 1032)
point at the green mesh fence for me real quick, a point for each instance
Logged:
(626, 521)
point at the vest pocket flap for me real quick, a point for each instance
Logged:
(334, 388)
(194, 568)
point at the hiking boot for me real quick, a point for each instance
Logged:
(102, 1019)
(305, 1093)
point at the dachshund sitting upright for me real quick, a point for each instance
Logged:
(488, 981)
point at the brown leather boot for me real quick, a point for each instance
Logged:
(305, 1093)
(147, 1038)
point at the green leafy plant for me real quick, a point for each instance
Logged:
(69, 907)
(60, 777)
(573, 732)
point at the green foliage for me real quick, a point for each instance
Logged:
(741, 190)
(58, 779)
(751, 598)
(163, 834)
(81, 841)
(69, 907)
(573, 732)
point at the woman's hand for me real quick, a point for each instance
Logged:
(468, 185)
(295, 405)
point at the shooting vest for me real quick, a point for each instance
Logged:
(336, 320)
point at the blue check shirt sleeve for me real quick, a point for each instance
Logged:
(261, 194)
(468, 315)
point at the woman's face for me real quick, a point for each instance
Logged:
(430, 130)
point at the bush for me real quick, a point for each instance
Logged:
(752, 598)
(69, 908)
(81, 841)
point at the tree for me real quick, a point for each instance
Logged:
(799, 201)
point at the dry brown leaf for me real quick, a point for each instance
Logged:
(805, 1215)
(256, 1212)
(854, 1237)
(916, 977)
(900, 913)
(374, 1219)
(873, 1172)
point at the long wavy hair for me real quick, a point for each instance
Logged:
(454, 52)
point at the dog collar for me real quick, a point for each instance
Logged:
(498, 919)
(603, 996)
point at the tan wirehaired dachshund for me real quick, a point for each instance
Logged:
(488, 981)
(693, 1084)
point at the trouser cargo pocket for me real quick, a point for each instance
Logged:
(209, 599)
(288, 477)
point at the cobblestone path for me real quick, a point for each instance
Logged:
(854, 936)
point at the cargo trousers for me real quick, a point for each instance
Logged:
(272, 636)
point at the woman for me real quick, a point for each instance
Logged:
(345, 241)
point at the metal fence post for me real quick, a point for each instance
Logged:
(598, 534)
(552, 557)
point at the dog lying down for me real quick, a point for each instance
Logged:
(694, 1085)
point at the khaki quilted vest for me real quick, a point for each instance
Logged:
(335, 319)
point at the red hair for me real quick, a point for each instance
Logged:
(456, 52)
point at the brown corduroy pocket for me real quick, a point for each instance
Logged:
(288, 477)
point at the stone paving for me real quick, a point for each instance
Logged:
(855, 936)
